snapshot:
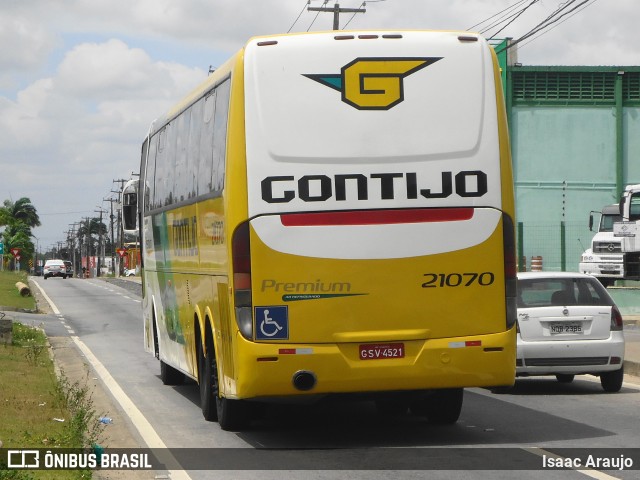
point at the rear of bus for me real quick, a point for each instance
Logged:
(378, 254)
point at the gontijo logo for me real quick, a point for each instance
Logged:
(373, 83)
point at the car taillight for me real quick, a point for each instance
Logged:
(241, 258)
(616, 319)
(510, 275)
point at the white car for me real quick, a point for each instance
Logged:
(568, 325)
(54, 268)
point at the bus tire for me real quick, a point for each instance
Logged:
(440, 407)
(230, 414)
(391, 407)
(169, 375)
(207, 368)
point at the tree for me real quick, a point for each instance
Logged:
(22, 210)
(19, 218)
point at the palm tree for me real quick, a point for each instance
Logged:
(19, 218)
(22, 210)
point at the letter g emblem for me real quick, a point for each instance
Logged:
(373, 83)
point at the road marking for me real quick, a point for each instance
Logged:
(46, 297)
(146, 431)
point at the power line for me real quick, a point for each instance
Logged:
(363, 4)
(317, 14)
(299, 15)
(496, 14)
(534, 38)
(550, 20)
(514, 18)
(564, 9)
(337, 10)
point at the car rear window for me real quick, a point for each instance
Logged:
(547, 292)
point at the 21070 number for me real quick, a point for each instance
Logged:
(435, 280)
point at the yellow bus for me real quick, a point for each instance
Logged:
(332, 213)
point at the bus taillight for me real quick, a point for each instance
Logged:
(241, 252)
(510, 275)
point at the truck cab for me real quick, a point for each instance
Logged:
(604, 260)
(626, 230)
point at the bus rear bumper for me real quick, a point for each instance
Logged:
(269, 370)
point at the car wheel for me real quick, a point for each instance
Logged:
(612, 381)
(565, 377)
(441, 407)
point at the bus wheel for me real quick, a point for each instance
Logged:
(391, 407)
(441, 407)
(231, 414)
(207, 369)
(169, 375)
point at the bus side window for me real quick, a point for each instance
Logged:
(150, 174)
(220, 136)
(193, 152)
(205, 165)
(181, 181)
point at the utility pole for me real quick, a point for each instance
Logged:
(113, 246)
(75, 237)
(120, 230)
(336, 12)
(100, 243)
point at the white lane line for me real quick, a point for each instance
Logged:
(146, 430)
(46, 297)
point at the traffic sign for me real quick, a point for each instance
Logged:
(121, 251)
(17, 257)
(1, 248)
(15, 251)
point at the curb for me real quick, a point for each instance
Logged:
(20, 310)
(632, 368)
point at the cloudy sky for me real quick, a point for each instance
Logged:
(81, 80)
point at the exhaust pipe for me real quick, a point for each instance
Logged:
(304, 380)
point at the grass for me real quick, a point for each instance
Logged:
(33, 401)
(9, 295)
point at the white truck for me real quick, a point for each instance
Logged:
(604, 260)
(626, 231)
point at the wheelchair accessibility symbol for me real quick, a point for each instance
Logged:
(272, 323)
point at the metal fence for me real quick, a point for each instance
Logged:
(559, 244)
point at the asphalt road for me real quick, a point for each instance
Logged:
(496, 432)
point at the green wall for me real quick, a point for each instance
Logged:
(575, 139)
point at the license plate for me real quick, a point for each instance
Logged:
(559, 328)
(381, 351)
